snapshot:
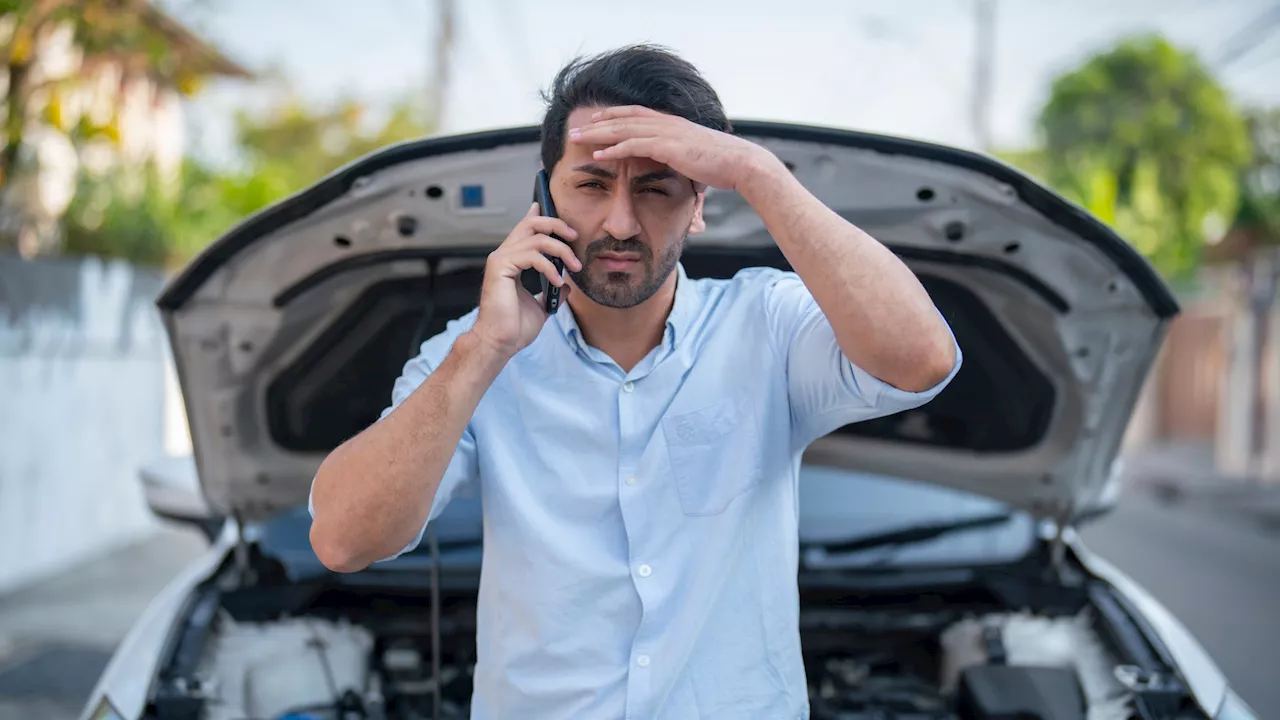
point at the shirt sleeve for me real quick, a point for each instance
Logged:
(825, 389)
(462, 475)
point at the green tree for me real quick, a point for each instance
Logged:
(284, 151)
(1144, 137)
(160, 223)
(131, 35)
(297, 145)
(1259, 212)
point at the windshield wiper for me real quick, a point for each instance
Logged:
(913, 534)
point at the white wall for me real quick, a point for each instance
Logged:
(82, 405)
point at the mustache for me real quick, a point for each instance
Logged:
(611, 244)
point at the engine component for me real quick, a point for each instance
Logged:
(1034, 641)
(264, 670)
(1000, 692)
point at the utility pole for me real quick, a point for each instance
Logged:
(984, 42)
(438, 75)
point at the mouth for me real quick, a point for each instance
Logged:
(617, 262)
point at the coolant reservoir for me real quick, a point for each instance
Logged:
(265, 670)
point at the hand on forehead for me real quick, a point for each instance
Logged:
(701, 154)
(580, 156)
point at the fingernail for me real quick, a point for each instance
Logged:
(597, 115)
(574, 132)
(598, 154)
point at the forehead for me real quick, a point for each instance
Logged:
(576, 154)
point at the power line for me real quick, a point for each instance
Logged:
(1253, 34)
(1257, 61)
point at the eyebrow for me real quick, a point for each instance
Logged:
(594, 169)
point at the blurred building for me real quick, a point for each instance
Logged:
(1216, 384)
(133, 108)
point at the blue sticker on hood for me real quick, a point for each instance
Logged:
(472, 196)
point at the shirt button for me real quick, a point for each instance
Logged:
(628, 386)
(644, 570)
(631, 480)
(643, 661)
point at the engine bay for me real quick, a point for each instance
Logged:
(334, 652)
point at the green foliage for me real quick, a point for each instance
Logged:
(154, 221)
(297, 146)
(130, 35)
(1143, 136)
(163, 223)
(1260, 185)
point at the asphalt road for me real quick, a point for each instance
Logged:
(1217, 571)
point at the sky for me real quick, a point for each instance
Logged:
(902, 68)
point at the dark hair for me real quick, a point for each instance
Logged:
(647, 75)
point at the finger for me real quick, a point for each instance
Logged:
(552, 226)
(608, 132)
(651, 148)
(533, 210)
(624, 111)
(513, 261)
(551, 246)
(537, 261)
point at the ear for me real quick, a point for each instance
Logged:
(697, 223)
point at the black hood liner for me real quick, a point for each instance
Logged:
(999, 402)
(1054, 207)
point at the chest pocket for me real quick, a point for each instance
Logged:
(715, 454)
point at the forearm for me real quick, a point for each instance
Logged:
(372, 494)
(883, 319)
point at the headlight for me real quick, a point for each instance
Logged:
(104, 711)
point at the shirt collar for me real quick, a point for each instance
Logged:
(683, 311)
(685, 307)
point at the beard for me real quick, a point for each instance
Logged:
(623, 289)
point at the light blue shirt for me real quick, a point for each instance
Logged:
(640, 528)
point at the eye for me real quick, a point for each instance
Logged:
(655, 190)
(593, 184)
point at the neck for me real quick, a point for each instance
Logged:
(624, 334)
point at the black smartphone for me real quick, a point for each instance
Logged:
(547, 207)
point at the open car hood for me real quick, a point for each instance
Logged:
(289, 331)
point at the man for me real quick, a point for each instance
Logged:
(637, 453)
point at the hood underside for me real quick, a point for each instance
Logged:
(289, 330)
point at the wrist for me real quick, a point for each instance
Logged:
(763, 175)
(479, 353)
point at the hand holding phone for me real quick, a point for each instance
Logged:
(542, 194)
(510, 316)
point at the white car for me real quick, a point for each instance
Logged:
(940, 573)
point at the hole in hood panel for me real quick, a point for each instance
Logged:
(999, 401)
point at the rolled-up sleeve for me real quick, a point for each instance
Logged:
(825, 389)
(462, 475)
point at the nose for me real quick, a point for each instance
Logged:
(621, 222)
